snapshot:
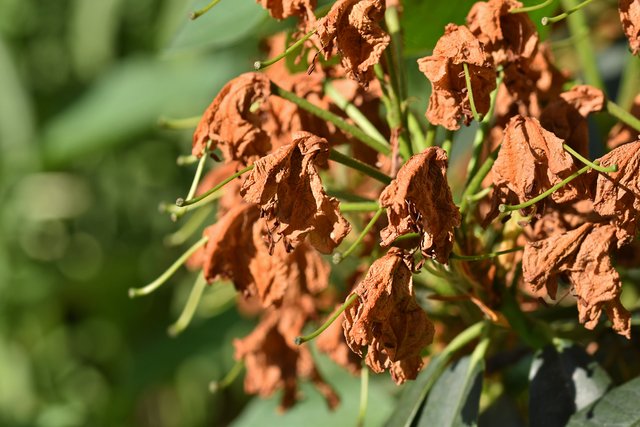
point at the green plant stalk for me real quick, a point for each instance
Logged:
(359, 207)
(353, 112)
(484, 256)
(190, 307)
(338, 257)
(448, 142)
(587, 162)
(364, 395)
(374, 173)
(539, 197)
(198, 174)
(546, 20)
(146, 290)
(532, 8)
(303, 339)
(467, 79)
(203, 198)
(192, 225)
(199, 13)
(578, 25)
(630, 84)
(533, 333)
(476, 181)
(259, 65)
(623, 115)
(430, 136)
(417, 136)
(178, 124)
(215, 386)
(341, 124)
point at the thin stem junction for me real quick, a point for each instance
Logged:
(330, 320)
(259, 65)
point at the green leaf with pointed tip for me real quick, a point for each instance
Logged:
(455, 398)
(619, 407)
(563, 381)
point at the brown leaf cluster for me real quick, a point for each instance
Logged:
(288, 189)
(282, 9)
(630, 18)
(449, 99)
(351, 27)
(387, 321)
(233, 120)
(419, 200)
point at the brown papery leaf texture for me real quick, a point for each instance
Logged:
(233, 120)
(419, 200)
(530, 161)
(449, 99)
(351, 27)
(583, 256)
(288, 189)
(630, 18)
(617, 194)
(387, 320)
(282, 9)
(509, 37)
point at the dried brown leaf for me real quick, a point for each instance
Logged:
(288, 189)
(419, 200)
(351, 27)
(233, 120)
(630, 18)
(387, 320)
(282, 9)
(449, 99)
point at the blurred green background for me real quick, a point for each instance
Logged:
(83, 167)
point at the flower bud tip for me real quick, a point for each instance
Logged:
(214, 387)
(179, 202)
(132, 293)
(502, 208)
(257, 65)
(337, 258)
(298, 340)
(545, 21)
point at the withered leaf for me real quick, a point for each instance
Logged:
(419, 200)
(282, 9)
(288, 189)
(449, 99)
(584, 98)
(351, 27)
(387, 320)
(630, 18)
(617, 194)
(509, 37)
(530, 161)
(233, 120)
(583, 256)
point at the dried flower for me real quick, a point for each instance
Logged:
(387, 319)
(509, 37)
(282, 9)
(630, 18)
(351, 27)
(419, 200)
(289, 191)
(449, 99)
(233, 120)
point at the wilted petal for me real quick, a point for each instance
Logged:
(288, 189)
(282, 9)
(630, 18)
(419, 200)
(233, 120)
(387, 319)
(449, 99)
(584, 98)
(351, 26)
(509, 37)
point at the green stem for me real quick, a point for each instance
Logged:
(136, 292)
(467, 79)
(532, 8)
(178, 124)
(623, 115)
(477, 179)
(338, 257)
(190, 307)
(192, 225)
(186, 160)
(198, 174)
(480, 194)
(587, 162)
(578, 25)
(341, 124)
(259, 65)
(364, 395)
(546, 20)
(448, 142)
(198, 13)
(359, 207)
(417, 136)
(353, 112)
(303, 339)
(374, 173)
(202, 199)
(430, 137)
(531, 202)
(630, 84)
(484, 256)
(215, 386)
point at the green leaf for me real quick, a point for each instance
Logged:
(128, 101)
(227, 23)
(455, 398)
(563, 381)
(619, 408)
